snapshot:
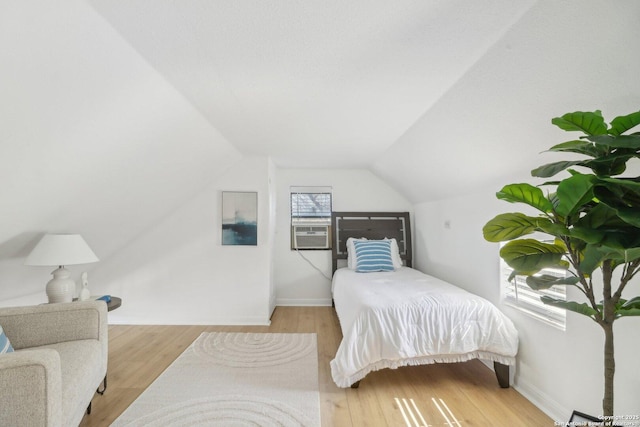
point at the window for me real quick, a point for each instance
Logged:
(310, 218)
(311, 206)
(520, 296)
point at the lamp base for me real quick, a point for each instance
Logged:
(61, 288)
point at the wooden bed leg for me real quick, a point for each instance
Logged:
(502, 374)
(356, 384)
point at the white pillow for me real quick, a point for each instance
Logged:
(351, 259)
(395, 253)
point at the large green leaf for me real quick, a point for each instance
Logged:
(621, 195)
(611, 165)
(525, 193)
(599, 216)
(528, 256)
(508, 226)
(580, 147)
(550, 169)
(623, 312)
(553, 228)
(573, 193)
(591, 258)
(581, 308)
(588, 235)
(628, 308)
(621, 141)
(630, 215)
(591, 123)
(621, 240)
(629, 189)
(631, 254)
(632, 303)
(620, 254)
(622, 124)
(546, 281)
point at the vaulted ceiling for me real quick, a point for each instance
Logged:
(312, 83)
(435, 96)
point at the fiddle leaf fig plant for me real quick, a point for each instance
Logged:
(591, 220)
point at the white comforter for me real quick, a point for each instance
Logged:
(393, 319)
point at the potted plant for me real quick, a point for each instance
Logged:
(592, 219)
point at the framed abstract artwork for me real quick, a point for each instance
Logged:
(240, 218)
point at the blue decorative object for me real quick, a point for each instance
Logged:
(5, 345)
(373, 255)
(105, 298)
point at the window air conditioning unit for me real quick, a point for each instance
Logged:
(310, 236)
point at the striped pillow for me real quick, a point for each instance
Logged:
(5, 345)
(373, 255)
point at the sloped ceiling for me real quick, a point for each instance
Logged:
(495, 122)
(435, 96)
(313, 83)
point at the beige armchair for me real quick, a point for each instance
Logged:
(60, 360)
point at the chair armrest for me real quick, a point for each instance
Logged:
(37, 325)
(31, 388)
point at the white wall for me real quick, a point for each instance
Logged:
(296, 281)
(558, 371)
(179, 273)
(92, 139)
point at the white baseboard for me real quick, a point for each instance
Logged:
(544, 402)
(302, 302)
(114, 319)
(537, 397)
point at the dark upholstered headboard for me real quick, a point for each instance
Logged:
(373, 226)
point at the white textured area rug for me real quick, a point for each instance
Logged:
(234, 379)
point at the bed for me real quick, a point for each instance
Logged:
(402, 316)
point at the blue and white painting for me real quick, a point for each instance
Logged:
(239, 218)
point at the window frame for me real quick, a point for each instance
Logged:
(521, 297)
(322, 219)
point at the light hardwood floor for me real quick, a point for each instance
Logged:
(467, 393)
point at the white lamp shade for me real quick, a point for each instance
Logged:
(61, 249)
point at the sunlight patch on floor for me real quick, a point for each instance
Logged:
(414, 418)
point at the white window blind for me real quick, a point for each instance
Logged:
(311, 203)
(519, 295)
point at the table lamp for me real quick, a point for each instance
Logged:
(61, 250)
